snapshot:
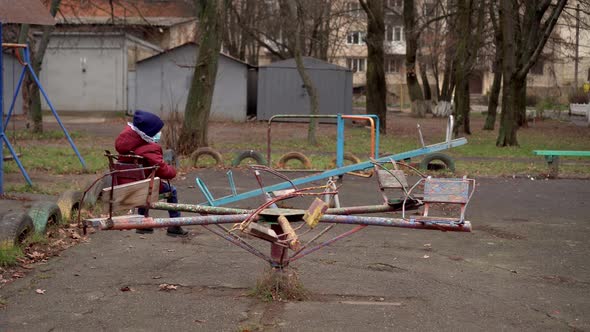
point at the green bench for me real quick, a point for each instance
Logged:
(552, 158)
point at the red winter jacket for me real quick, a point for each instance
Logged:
(129, 141)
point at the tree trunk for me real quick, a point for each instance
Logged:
(425, 83)
(510, 105)
(296, 13)
(521, 103)
(497, 82)
(376, 85)
(524, 35)
(462, 107)
(412, 35)
(36, 56)
(493, 100)
(198, 105)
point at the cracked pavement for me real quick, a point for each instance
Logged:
(525, 267)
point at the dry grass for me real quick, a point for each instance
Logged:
(279, 285)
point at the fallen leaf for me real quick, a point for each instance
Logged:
(142, 237)
(75, 236)
(168, 287)
(200, 321)
(18, 275)
(126, 289)
(39, 291)
(170, 250)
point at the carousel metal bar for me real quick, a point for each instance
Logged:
(138, 222)
(205, 209)
(433, 224)
(327, 243)
(338, 171)
(238, 242)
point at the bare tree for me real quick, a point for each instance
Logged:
(412, 36)
(470, 21)
(526, 27)
(376, 86)
(198, 105)
(36, 54)
(497, 69)
(295, 10)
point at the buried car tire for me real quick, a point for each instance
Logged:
(14, 228)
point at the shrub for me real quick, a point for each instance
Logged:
(578, 97)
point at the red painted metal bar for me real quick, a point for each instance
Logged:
(205, 209)
(323, 244)
(149, 222)
(372, 122)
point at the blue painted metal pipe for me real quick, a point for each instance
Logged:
(34, 76)
(336, 172)
(339, 142)
(18, 86)
(1, 114)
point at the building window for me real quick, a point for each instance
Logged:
(394, 4)
(537, 68)
(355, 38)
(354, 8)
(356, 64)
(393, 65)
(394, 33)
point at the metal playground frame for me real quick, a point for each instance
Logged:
(293, 233)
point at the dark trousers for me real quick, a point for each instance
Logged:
(172, 198)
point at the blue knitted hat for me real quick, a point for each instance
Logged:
(149, 123)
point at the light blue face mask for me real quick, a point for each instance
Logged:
(157, 137)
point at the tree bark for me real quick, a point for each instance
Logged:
(524, 35)
(493, 100)
(412, 35)
(36, 55)
(198, 105)
(295, 12)
(425, 82)
(497, 81)
(376, 85)
(510, 103)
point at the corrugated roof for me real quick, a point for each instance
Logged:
(308, 62)
(193, 44)
(124, 11)
(25, 11)
(136, 20)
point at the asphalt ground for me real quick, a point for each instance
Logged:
(524, 268)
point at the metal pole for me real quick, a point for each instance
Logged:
(576, 59)
(339, 141)
(1, 114)
(32, 72)
(18, 86)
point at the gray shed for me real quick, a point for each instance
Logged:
(88, 71)
(12, 71)
(281, 91)
(163, 83)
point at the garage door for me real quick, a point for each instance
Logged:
(85, 79)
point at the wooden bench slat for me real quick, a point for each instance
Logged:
(131, 195)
